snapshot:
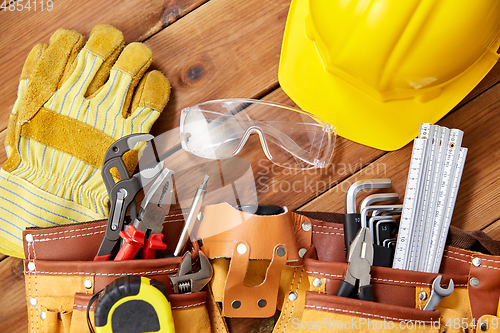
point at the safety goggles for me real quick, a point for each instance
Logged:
(290, 137)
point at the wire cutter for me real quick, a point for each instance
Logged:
(359, 261)
(145, 233)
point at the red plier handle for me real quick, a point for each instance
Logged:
(135, 240)
(153, 243)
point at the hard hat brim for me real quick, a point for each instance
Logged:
(359, 117)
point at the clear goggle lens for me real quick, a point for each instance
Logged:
(290, 137)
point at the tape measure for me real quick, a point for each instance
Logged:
(133, 304)
(436, 167)
(406, 223)
(438, 246)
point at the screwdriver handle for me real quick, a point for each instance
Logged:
(133, 241)
(153, 243)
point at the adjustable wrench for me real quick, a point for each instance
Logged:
(188, 281)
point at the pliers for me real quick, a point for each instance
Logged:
(122, 193)
(359, 261)
(114, 160)
(145, 233)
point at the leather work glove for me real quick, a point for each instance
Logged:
(74, 101)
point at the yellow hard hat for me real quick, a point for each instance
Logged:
(377, 69)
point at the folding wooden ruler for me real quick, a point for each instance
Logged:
(436, 167)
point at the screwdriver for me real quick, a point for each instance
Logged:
(193, 212)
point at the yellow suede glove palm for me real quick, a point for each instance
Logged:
(72, 104)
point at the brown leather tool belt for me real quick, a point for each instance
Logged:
(293, 261)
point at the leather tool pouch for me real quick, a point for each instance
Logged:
(307, 284)
(400, 296)
(255, 257)
(61, 277)
(294, 262)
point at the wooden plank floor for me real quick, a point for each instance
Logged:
(230, 48)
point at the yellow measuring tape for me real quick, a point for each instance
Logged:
(133, 304)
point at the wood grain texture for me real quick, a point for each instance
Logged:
(479, 193)
(21, 30)
(275, 185)
(230, 48)
(7, 3)
(493, 230)
(204, 62)
(492, 78)
(235, 55)
(13, 316)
